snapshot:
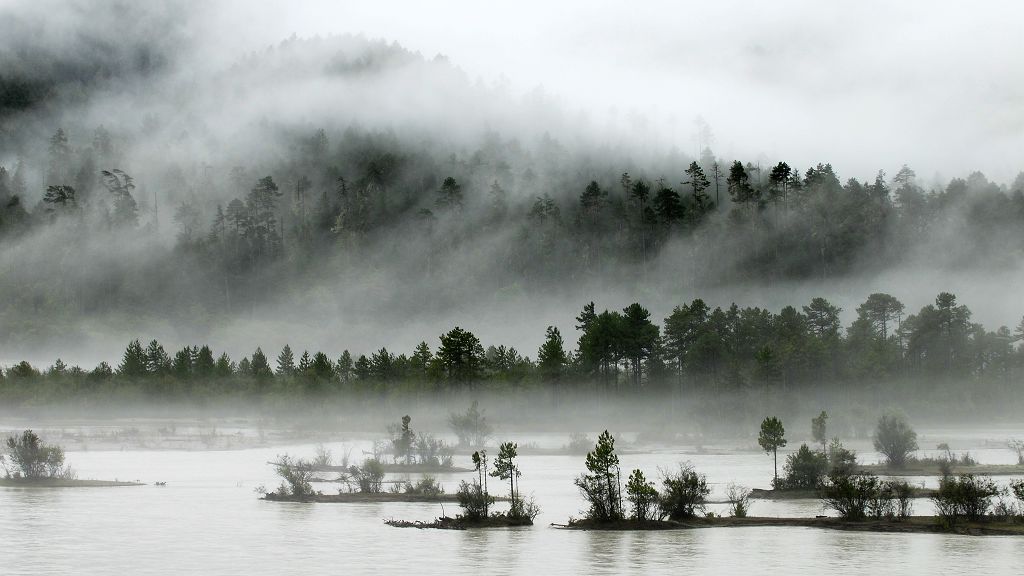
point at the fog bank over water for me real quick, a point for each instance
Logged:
(197, 103)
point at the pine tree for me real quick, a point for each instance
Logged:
(204, 362)
(698, 183)
(344, 366)
(259, 365)
(551, 357)
(450, 195)
(224, 367)
(304, 363)
(157, 361)
(133, 364)
(285, 362)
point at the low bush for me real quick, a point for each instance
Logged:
(964, 497)
(475, 502)
(859, 496)
(739, 500)
(295, 474)
(805, 470)
(33, 459)
(683, 494)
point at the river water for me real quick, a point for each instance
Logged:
(208, 520)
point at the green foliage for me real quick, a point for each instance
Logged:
(895, 439)
(683, 493)
(369, 476)
(403, 440)
(601, 487)
(461, 356)
(702, 351)
(739, 500)
(295, 474)
(33, 459)
(840, 459)
(805, 470)
(505, 468)
(819, 428)
(771, 438)
(426, 486)
(859, 496)
(474, 500)
(551, 357)
(642, 495)
(966, 497)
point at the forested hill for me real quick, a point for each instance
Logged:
(359, 171)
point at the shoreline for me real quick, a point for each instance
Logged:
(912, 524)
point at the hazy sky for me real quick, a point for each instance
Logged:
(864, 85)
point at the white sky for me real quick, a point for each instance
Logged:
(864, 85)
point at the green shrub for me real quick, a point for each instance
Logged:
(739, 500)
(805, 469)
(475, 502)
(964, 497)
(895, 439)
(427, 486)
(34, 459)
(683, 494)
(369, 476)
(848, 494)
(840, 459)
(295, 474)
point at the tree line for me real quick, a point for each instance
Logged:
(694, 349)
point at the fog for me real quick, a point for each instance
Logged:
(273, 272)
(188, 93)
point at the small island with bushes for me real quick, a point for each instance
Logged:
(965, 504)
(476, 501)
(28, 462)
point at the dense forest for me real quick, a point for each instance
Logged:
(128, 201)
(694, 352)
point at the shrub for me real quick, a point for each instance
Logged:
(739, 500)
(840, 459)
(805, 469)
(850, 494)
(323, 457)
(1018, 447)
(34, 459)
(684, 493)
(902, 494)
(474, 500)
(295, 474)
(1017, 489)
(427, 486)
(528, 509)
(964, 497)
(433, 452)
(471, 427)
(895, 439)
(642, 495)
(369, 476)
